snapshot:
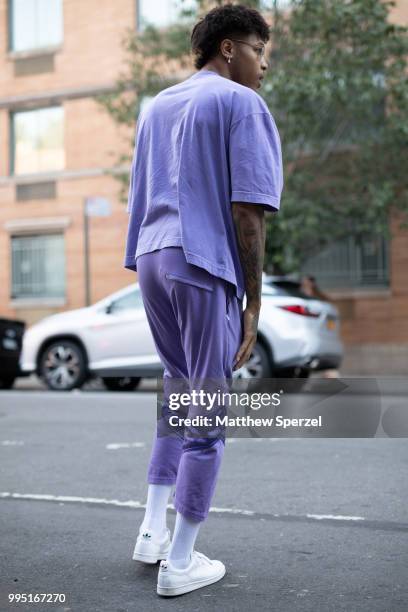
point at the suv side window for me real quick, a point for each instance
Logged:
(130, 301)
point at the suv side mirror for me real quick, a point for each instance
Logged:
(109, 308)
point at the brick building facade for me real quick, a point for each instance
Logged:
(41, 211)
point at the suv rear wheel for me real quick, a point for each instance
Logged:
(62, 365)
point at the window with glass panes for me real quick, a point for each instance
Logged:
(35, 24)
(38, 140)
(38, 266)
(162, 13)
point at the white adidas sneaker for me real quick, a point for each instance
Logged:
(149, 548)
(201, 572)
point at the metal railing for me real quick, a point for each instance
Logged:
(348, 264)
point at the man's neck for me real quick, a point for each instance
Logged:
(220, 69)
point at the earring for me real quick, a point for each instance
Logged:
(229, 60)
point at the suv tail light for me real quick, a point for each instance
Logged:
(300, 310)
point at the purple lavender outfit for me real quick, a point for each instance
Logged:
(200, 145)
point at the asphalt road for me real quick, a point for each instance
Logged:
(301, 524)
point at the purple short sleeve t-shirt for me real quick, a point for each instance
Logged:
(200, 145)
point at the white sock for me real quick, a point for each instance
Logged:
(182, 545)
(156, 508)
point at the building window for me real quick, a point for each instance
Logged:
(35, 24)
(349, 264)
(162, 13)
(38, 140)
(38, 266)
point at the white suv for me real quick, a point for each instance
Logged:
(112, 339)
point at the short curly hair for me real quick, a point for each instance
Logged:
(224, 22)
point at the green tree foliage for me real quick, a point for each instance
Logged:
(337, 88)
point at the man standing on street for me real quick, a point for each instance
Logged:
(207, 165)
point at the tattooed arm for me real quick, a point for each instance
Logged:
(249, 223)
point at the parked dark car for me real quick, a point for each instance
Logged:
(11, 340)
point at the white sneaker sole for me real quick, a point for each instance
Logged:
(148, 558)
(191, 586)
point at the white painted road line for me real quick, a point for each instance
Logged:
(118, 445)
(232, 440)
(137, 504)
(72, 498)
(335, 517)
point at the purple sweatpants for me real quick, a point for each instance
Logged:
(197, 326)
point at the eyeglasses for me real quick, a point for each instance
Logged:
(260, 51)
